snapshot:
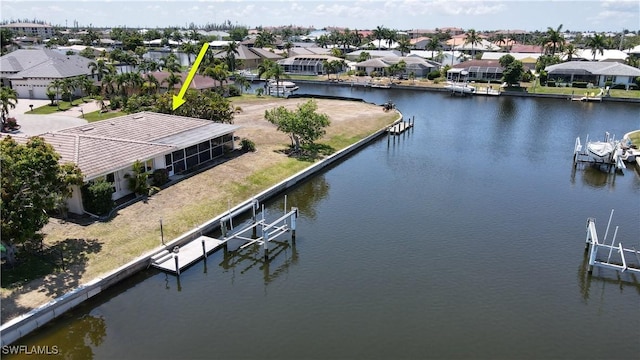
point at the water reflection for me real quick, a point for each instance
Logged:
(306, 196)
(282, 255)
(595, 176)
(76, 342)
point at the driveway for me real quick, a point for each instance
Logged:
(39, 124)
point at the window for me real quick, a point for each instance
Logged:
(191, 150)
(148, 165)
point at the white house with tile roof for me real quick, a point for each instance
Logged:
(597, 73)
(107, 149)
(30, 72)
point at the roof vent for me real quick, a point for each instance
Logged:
(138, 116)
(87, 128)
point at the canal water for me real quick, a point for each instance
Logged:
(462, 238)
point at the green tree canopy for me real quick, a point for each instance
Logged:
(33, 184)
(513, 69)
(304, 125)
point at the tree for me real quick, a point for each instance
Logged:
(304, 125)
(33, 183)
(56, 84)
(513, 69)
(597, 45)
(404, 45)
(433, 45)
(379, 33)
(231, 50)
(555, 38)
(570, 51)
(172, 80)
(473, 38)
(8, 100)
(189, 48)
(101, 68)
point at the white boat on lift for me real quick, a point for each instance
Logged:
(602, 150)
(281, 87)
(459, 85)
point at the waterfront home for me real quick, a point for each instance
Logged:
(107, 149)
(306, 64)
(599, 74)
(477, 70)
(416, 65)
(30, 72)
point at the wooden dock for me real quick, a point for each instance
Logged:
(186, 255)
(400, 127)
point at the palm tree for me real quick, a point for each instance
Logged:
(170, 63)
(597, 44)
(231, 50)
(379, 33)
(264, 39)
(570, 51)
(500, 40)
(219, 73)
(172, 80)
(189, 48)
(322, 41)
(8, 100)
(85, 84)
(150, 85)
(391, 36)
(57, 85)
(404, 45)
(99, 67)
(473, 38)
(433, 45)
(555, 38)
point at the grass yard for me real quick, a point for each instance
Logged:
(97, 115)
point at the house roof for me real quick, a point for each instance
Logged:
(43, 63)
(594, 68)
(478, 64)
(129, 138)
(607, 55)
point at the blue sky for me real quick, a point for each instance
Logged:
(586, 15)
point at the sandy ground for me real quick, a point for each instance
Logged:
(101, 247)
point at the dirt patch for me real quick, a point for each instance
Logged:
(135, 229)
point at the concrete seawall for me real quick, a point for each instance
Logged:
(18, 327)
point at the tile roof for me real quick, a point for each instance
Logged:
(43, 63)
(596, 68)
(102, 147)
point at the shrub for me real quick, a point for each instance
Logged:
(234, 90)
(96, 197)
(551, 83)
(579, 84)
(247, 145)
(608, 83)
(433, 75)
(137, 180)
(160, 177)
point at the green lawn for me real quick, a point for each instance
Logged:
(52, 109)
(97, 115)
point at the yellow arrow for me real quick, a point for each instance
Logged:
(179, 99)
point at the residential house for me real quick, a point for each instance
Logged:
(107, 149)
(306, 64)
(30, 72)
(373, 54)
(528, 60)
(420, 43)
(607, 55)
(599, 74)
(251, 57)
(477, 70)
(416, 65)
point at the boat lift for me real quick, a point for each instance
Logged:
(610, 256)
(581, 154)
(180, 257)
